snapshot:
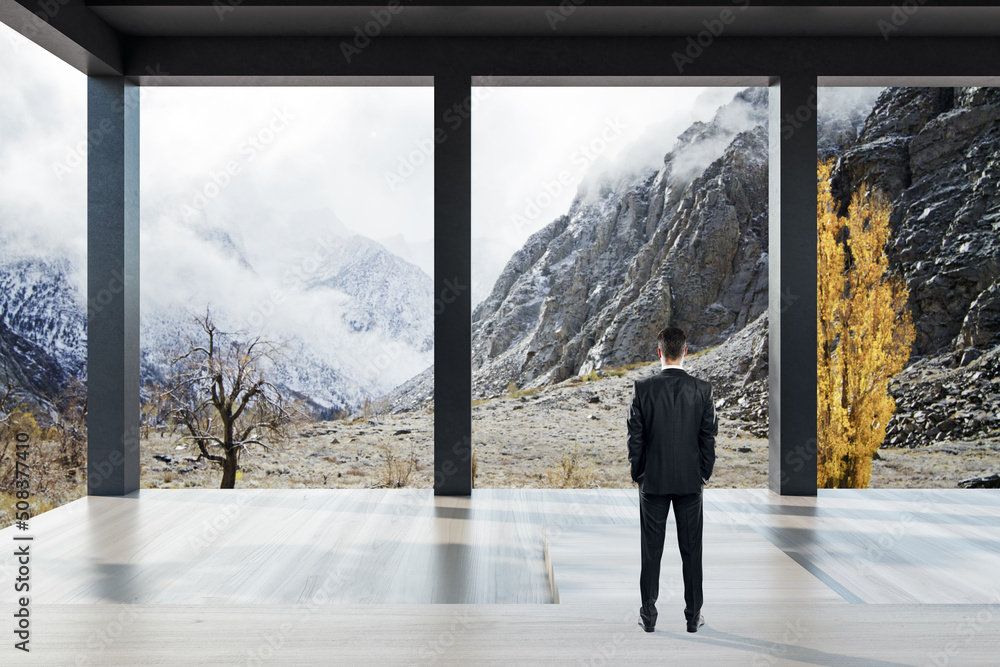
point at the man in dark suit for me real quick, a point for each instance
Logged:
(671, 449)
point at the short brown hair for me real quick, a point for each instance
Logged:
(672, 342)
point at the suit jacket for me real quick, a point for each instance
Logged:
(671, 432)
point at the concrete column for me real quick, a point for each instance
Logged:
(792, 307)
(112, 286)
(452, 276)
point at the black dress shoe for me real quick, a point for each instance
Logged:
(694, 625)
(647, 628)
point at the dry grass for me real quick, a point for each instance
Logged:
(375, 409)
(514, 392)
(50, 483)
(606, 372)
(572, 473)
(394, 470)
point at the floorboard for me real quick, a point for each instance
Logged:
(506, 576)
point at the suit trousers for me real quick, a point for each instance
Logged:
(653, 510)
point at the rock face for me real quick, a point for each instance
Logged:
(840, 118)
(738, 370)
(29, 367)
(414, 394)
(935, 152)
(938, 398)
(685, 245)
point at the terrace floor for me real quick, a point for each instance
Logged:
(273, 577)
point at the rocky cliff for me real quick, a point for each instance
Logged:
(684, 245)
(936, 153)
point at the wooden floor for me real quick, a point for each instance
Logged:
(253, 577)
(601, 564)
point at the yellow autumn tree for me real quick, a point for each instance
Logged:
(863, 334)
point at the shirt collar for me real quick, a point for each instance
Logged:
(677, 366)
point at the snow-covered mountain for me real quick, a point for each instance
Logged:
(388, 294)
(356, 320)
(43, 324)
(486, 268)
(420, 253)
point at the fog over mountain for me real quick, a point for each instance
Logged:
(338, 299)
(682, 244)
(534, 147)
(243, 191)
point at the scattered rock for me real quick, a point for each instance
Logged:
(936, 399)
(987, 482)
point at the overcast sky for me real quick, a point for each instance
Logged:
(277, 168)
(322, 149)
(524, 138)
(43, 175)
(293, 150)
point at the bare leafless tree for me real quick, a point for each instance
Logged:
(219, 393)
